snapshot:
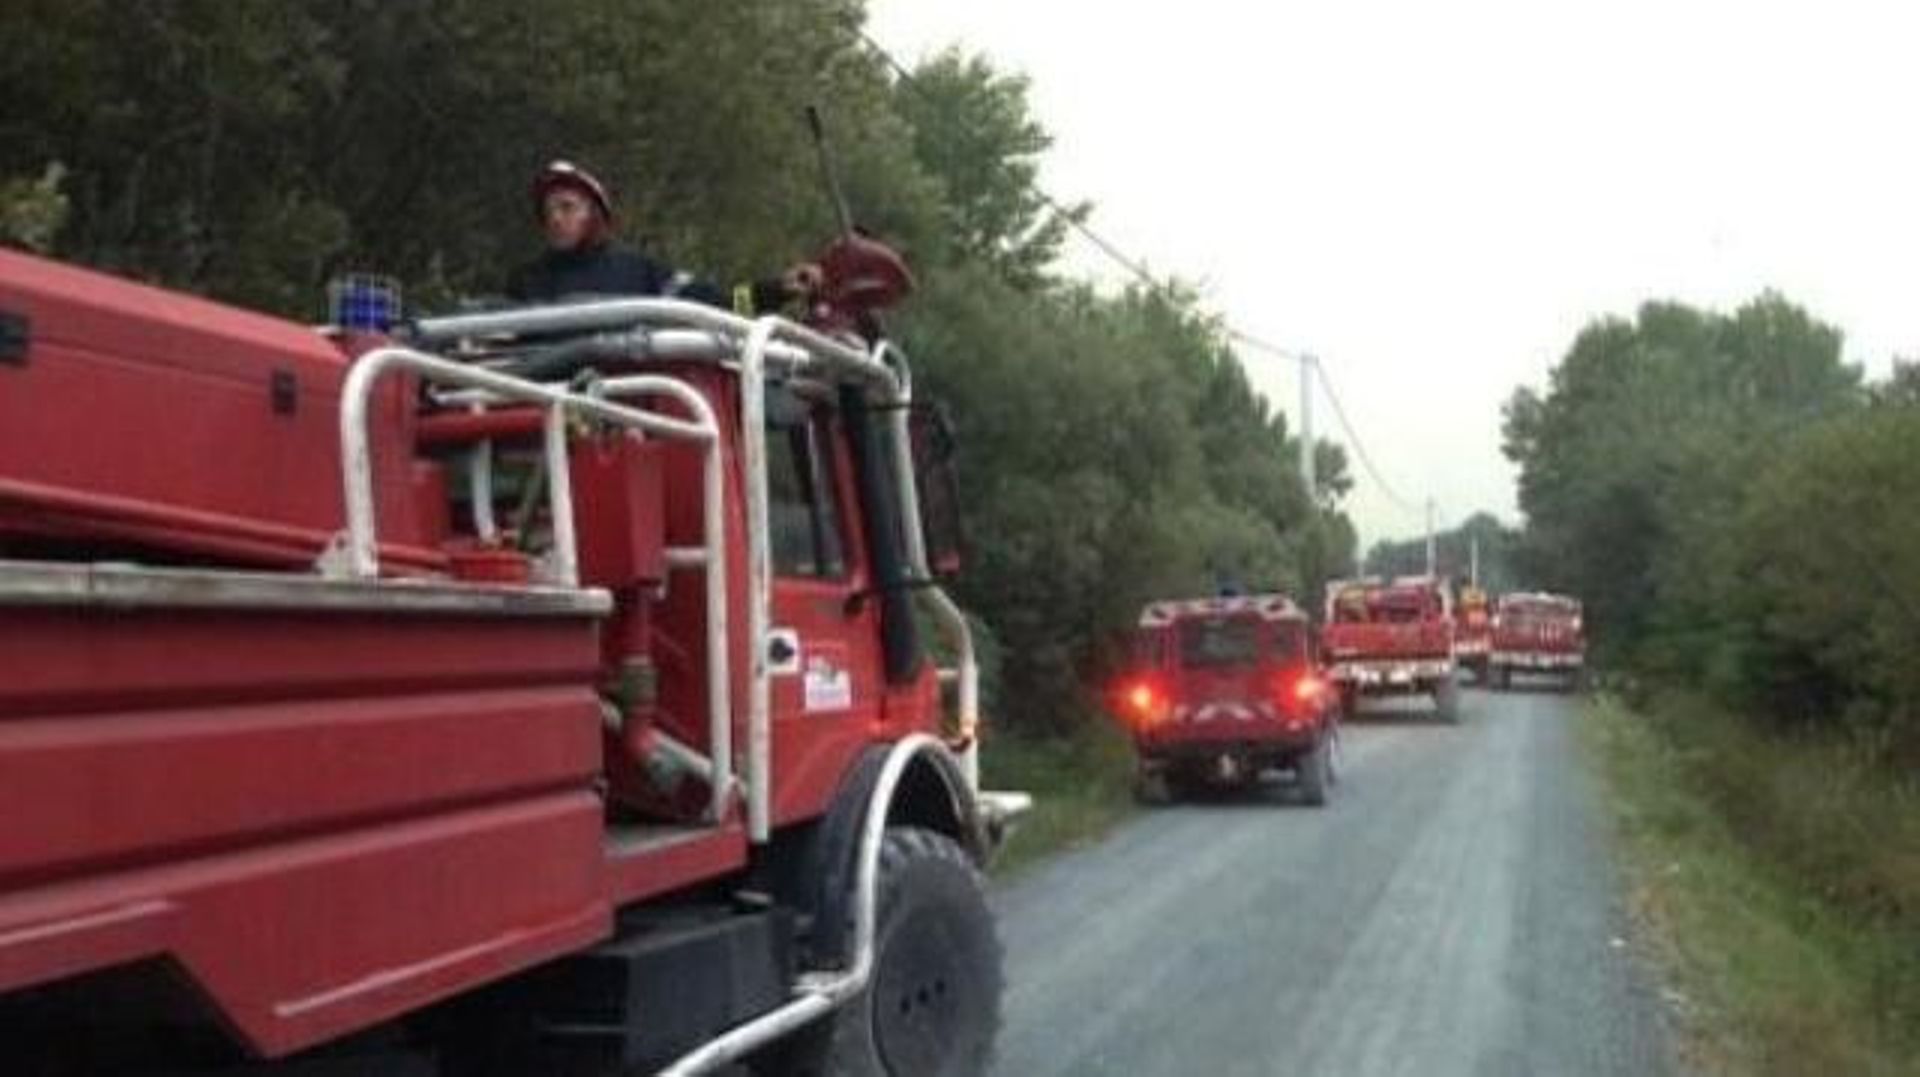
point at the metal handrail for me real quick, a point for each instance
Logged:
(763, 343)
(753, 450)
(808, 348)
(947, 613)
(360, 558)
(820, 993)
(885, 371)
(713, 563)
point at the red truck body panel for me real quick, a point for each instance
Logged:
(323, 820)
(1387, 641)
(189, 426)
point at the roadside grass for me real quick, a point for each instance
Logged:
(1776, 883)
(1081, 785)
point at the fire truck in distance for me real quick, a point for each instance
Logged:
(533, 691)
(1391, 637)
(1223, 689)
(1538, 633)
(1473, 632)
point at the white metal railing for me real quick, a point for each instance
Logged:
(965, 672)
(711, 559)
(819, 993)
(678, 329)
(358, 546)
(360, 554)
(768, 343)
(753, 451)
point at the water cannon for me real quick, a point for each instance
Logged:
(860, 275)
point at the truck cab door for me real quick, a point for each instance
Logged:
(827, 686)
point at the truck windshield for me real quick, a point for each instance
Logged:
(1400, 607)
(1537, 612)
(1288, 642)
(1224, 641)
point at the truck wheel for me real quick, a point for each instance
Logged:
(933, 1002)
(1184, 784)
(1152, 789)
(1446, 702)
(1503, 678)
(1349, 701)
(1314, 772)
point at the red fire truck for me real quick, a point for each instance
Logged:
(1473, 632)
(1222, 689)
(367, 702)
(1538, 633)
(1391, 637)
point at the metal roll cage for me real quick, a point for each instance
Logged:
(663, 329)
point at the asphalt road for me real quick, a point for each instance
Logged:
(1452, 912)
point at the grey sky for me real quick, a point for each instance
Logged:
(1435, 197)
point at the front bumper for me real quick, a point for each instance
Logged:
(1186, 744)
(1406, 675)
(1545, 660)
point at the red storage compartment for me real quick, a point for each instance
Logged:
(133, 418)
(618, 510)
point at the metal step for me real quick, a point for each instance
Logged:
(671, 981)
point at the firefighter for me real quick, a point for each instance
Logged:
(583, 259)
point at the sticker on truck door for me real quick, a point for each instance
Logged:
(829, 683)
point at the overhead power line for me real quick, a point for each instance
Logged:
(1138, 271)
(1309, 365)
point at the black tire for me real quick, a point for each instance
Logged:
(1313, 772)
(1446, 701)
(1152, 790)
(932, 1005)
(1503, 678)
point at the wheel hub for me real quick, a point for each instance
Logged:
(921, 1001)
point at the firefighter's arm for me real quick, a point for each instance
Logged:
(771, 294)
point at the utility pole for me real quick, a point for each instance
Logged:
(1473, 559)
(1432, 564)
(1307, 362)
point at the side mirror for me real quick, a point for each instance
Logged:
(931, 442)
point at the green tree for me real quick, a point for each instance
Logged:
(1114, 448)
(973, 130)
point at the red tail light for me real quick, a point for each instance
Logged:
(1141, 701)
(1309, 688)
(1300, 694)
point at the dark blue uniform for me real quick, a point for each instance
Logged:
(612, 270)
